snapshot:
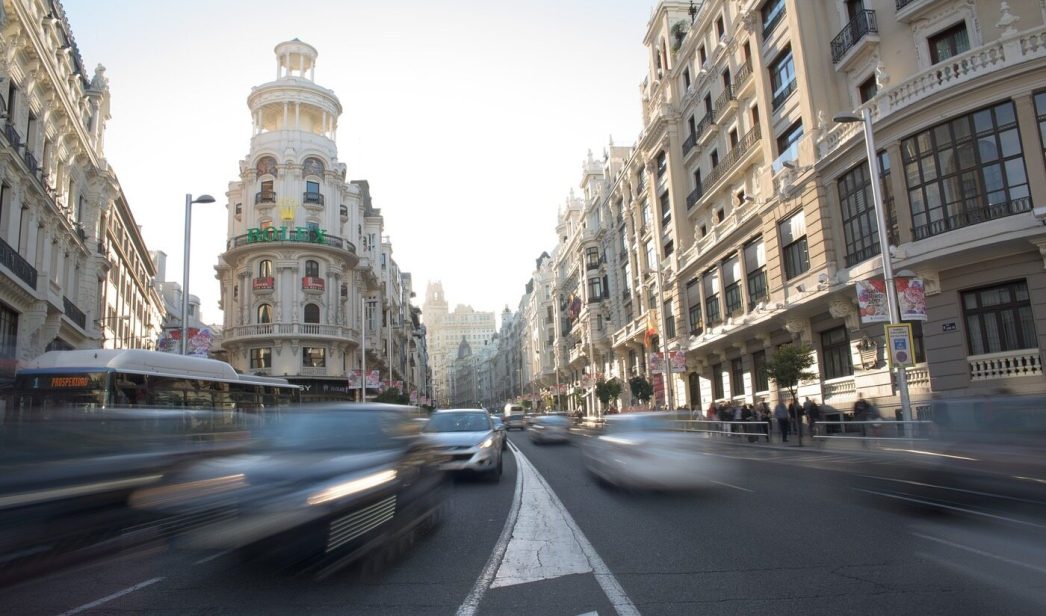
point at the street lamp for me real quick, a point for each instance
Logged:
(884, 243)
(185, 266)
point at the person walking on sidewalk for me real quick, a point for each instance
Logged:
(813, 414)
(781, 415)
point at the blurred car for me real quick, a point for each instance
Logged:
(66, 476)
(550, 429)
(645, 451)
(468, 438)
(499, 426)
(514, 417)
(984, 454)
(324, 484)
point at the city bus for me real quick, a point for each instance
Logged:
(134, 378)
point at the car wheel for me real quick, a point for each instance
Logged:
(495, 473)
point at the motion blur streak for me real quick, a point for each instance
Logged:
(181, 491)
(930, 453)
(352, 487)
(41, 496)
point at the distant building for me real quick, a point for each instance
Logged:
(446, 330)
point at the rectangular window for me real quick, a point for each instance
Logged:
(792, 234)
(8, 334)
(592, 257)
(666, 209)
(999, 319)
(949, 43)
(788, 141)
(759, 376)
(711, 283)
(737, 377)
(314, 357)
(1040, 111)
(651, 257)
(773, 11)
(670, 320)
(645, 210)
(662, 164)
(669, 248)
(701, 55)
(755, 272)
(860, 231)
(693, 302)
(720, 27)
(782, 77)
(965, 171)
(686, 78)
(261, 358)
(717, 382)
(835, 350)
(732, 286)
(595, 289)
(868, 89)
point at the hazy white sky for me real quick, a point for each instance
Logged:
(470, 119)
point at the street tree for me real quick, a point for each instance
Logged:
(789, 367)
(641, 388)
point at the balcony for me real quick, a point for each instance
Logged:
(1005, 365)
(860, 33)
(18, 266)
(75, 314)
(703, 128)
(838, 389)
(320, 239)
(775, 20)
(742, 79)
(724, 103)
(30, 161)
(265, 197)
(265, 283)
(267, 330)
(730, 160)
(11, 134)
(783, 95)
(972, 213)
(312, 197)
(689, 143)
(313, 371)
(313, 283)
(593, 264)
(909, 11)
(694, 196)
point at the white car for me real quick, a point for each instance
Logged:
(645, 451)
(469, 440)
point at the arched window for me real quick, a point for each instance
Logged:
(266, 166)
(312, 313)
(265, 313)
(312, 269)
(265, 268)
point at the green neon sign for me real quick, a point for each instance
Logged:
(283, 234)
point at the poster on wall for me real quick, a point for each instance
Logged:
(198, 343)
(871, 301)
(354, 379)
(911, 297)
(657, 363)
(373, 380)
(678, 361)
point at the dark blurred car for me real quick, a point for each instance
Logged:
(984, 455)
(468, 438)
(66, 476)
(550, 429)
(324, 484)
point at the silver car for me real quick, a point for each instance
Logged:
(549, 429)
(468, 439)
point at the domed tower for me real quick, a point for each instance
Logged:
(287, 284)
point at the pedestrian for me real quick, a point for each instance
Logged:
(861, 413)
(711, 413)
(781, 415)
(795, 413)
(764, 416)
(813, 414)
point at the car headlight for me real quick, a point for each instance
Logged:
(353, 486)
(487, 443)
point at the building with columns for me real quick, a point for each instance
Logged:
(308, 283)
(446, 329)
(74, 271)
(742, 217)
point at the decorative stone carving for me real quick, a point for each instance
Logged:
(1006, 19)
(843, 308)
(882, 78)
(799, 328)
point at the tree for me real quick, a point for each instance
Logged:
(393, 395)
(608, 390)
(641, 388)
(788, 367)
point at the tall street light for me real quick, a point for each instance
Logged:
(185, 266)
(884, 244)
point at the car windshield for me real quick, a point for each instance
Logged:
(458, 422)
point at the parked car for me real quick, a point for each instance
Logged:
(550, 429)
(469, 440)
(644, 450)
(328, 484)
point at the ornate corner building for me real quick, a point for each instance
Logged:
(308, 283)
(74, 271)
(742, 219)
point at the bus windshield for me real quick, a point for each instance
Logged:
(50, 391)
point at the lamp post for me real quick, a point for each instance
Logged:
(185, 265)
(884, 244)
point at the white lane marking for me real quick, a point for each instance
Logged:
(949, 507)
(471, 603)
(589, 614)
(730, 485)
(211, 557)
(611, 587)
(981, 552)
(542, 545)
(107, 598)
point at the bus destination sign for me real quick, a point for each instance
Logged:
(66, 382)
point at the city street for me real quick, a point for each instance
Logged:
(788, 535)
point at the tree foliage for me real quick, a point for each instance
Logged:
(641, 388)
(790, 365)
(608, 390)
(393, 395)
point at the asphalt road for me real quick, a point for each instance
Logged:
(787, 534)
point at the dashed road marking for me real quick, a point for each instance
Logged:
(107, 598)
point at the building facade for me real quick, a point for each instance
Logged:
(308, 284)
(742, 217)
(446, 329)
(74, 272)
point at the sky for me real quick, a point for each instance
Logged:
(470, 119)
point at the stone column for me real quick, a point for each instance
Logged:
(1027, 120)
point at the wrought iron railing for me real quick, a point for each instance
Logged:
(694, 196)
(862, 24)
(329, 240)
(723, 101)
(771, 25)
(783, 95)
(689, 142)
(903, 3)
(75, 314)
(265, 196)
(312, 197)
(703, 125)
(11, 134)
(972, 214)
(742, 147)
(13, 261)
(30, 161)
(743, 73)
